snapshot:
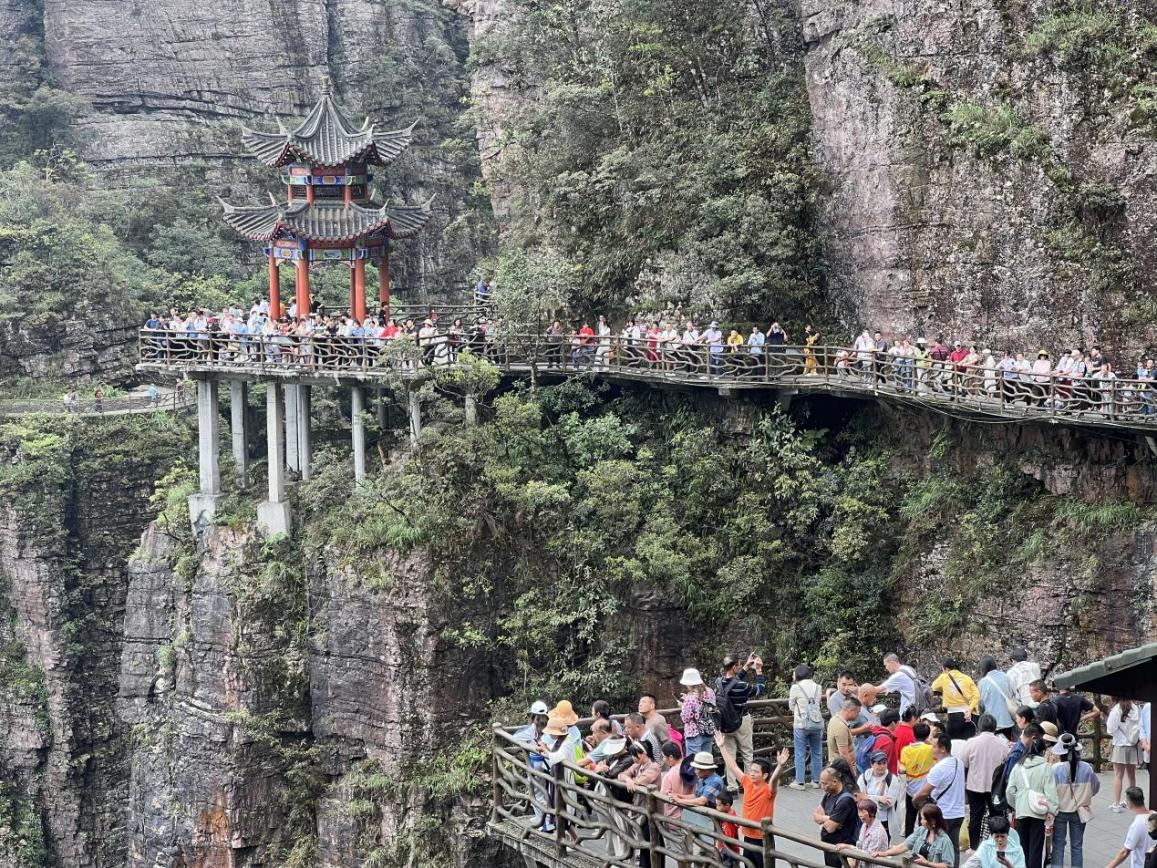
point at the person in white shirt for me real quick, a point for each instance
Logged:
(883, 788)
(1137, 838)
(1124, 727)
(1021, 674)
(945, 784)
(1146, 743)
(901, 679)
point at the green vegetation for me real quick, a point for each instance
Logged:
(21, 832)
(662, 157)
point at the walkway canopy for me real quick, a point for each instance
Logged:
(1131, 674)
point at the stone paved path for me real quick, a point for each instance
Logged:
(1103, 836)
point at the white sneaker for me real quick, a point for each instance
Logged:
(796, 786)
(815, 785)
(1116, 809)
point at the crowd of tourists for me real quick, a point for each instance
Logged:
(987, 771)
(1078, 379)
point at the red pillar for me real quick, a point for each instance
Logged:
(309, 194)
(348, 194)
(359, 290)
(303, 285)
(353, 282)
(384, 280)
(289, 195)
(274, 289)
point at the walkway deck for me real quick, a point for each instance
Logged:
(319, 360)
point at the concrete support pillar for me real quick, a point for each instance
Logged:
(415, 417)
(239, 430)
(358, 427)
(304, 434)
(203, 504)
(383, 408)
(291, 436)
(273, 514)
(471, 411)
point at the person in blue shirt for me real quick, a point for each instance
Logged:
(996, 695)
(708, 784)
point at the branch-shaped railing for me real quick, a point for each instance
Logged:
(595, 818)
(1098, 399)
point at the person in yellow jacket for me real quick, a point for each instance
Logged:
(960, 697)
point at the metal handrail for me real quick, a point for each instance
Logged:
(1117, 402)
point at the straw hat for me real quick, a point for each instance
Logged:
(565, 712)
(691, 678)
(556, 726)
(614, 746)
(703, 760)
(1050, 731)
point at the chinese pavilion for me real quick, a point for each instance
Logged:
(328, 215)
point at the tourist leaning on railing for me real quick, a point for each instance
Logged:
(1080, 383)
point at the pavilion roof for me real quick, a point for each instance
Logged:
(1131, 673)
(328, 138)
(326, 221)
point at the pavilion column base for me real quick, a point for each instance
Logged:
(202, 509)
(274, 517)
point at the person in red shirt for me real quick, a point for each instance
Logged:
(760, 786)
(586, 341)
(959, 354)
(903, 733)
(885, 733)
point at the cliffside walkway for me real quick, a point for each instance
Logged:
(168, 400)
(290, 365)
(594, 826)
(790, 370)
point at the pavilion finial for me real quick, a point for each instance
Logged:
(326, 85)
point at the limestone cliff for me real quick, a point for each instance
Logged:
(991, 175)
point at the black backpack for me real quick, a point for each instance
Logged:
(729, 716)
(996, 801)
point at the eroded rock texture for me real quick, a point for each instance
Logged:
(984, 240)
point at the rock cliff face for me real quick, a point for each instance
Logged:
(70, 505)
(987, 179)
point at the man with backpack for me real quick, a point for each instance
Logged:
(904, 680)
(836, 815)
(732, 693)
(881, 739)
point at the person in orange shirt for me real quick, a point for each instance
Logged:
(760, 786)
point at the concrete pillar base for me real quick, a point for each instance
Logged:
(292, 438)
(358, 431)
(471, 410)
(202, 508)
(239, 430)
(304, 438)
(274, 518)
(415, 407)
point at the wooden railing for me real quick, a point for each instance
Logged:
(595, 820)
(1122, 403)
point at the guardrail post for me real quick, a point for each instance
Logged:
(653, 831)
(1052, 399)
(495, 786)
(1098, 759)
(558, 772)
